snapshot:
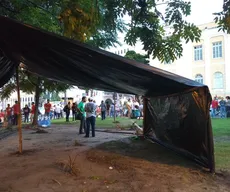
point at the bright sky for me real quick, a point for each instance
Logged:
(202, 10)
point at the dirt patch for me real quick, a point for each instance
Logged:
(25, 152)
(40, 131)
(64, 161)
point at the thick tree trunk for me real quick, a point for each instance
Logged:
(37, 96)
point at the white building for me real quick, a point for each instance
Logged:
(207, 61)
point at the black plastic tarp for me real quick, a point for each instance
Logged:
(79, 64)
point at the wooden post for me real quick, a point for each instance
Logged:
(144, 115)
(19, 115)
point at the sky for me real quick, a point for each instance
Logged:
(202, 10)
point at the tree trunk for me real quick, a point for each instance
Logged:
(37, 96)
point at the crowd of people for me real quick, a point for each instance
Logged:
(86, 111)
(11, 113)
(220, 107)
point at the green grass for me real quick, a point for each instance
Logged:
(221, 132)
(107, 123)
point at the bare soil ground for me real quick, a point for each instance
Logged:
(63, 161)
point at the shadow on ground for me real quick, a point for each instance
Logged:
(146, 150)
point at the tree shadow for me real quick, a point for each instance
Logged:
(146, 150)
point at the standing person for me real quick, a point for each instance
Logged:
(74, 111)
(58, 111)
(54, 111)
(32, 112)
(227, 106)
(129, 107)
(107, 109)
(67, 109)
(112, 110)
(81, 110)
(90, 109)
(2, 116)
(103, 110)
(214, 106)
(47, 107)
(222, 108)
(16, 112)
(26, 112)
(9, 114)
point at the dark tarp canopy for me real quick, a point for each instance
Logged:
(177, 108)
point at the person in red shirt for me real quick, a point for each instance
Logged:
(9, 114)
(32, 112)
(16, 111)
(2, 116)
(47, 107)
(214, 107)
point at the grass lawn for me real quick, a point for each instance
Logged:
(107, 123)
(221, 132)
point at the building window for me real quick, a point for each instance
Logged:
(198, 53)
(124, 50)
(218, 81)
(121, 51)
(118, 52)
(199, 78)
(217, 49)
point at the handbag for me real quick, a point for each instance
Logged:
(79, 116)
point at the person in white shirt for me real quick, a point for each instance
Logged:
(129, 107)
(58, 111)
(135, 103)
(90, 109)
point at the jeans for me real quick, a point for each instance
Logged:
(82, 126)
(213, 112)
(74, 116)
(90, 121)
(102, 115)
(47, 114)
(67, 116)
(15, 122)
(9, 120)
(111, 113)
(223, 112)
(26, 118)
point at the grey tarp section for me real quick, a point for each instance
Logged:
(78, 64)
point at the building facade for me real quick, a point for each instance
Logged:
(207, 61)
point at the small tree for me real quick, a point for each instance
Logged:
(137, 57)
(30, 83)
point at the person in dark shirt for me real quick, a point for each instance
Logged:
(74, 111)
(26, 112)
(103, 110)
(222, 108)
(67, 111)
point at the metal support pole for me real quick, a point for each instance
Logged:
(19, 115)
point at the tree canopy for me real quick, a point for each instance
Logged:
(137, 57)
(223, 18)
(98, 22)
